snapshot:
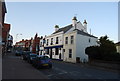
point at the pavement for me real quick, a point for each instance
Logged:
(15, 68)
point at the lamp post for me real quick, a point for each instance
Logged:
(17, 37)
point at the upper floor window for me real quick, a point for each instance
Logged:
(47, 41)
(66, 40)
(56, 40)
(51, 41)
(40, 43)
(89, 40)
(44, 41)
(72, 39)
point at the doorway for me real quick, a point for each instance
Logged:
(51, 53)
(77, 59)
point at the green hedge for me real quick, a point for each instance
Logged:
(95, 52)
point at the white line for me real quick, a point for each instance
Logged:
(60, 70)
(51, 75)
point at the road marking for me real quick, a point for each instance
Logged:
(60, 70)
(63, 73)
(59, 73)
(88, 75)
(50, 75)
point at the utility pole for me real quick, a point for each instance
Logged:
(90, 31)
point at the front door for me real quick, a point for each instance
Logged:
(51, 53)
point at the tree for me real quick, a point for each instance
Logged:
(107, 46)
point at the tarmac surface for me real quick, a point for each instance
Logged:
(13, 67)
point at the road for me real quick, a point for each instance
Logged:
(62, 70)
(16, 68)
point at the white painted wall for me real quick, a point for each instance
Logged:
(60, 42)
(81, 43)
(79, 27)
(118, 48)
(60, 39)
(41, 45)
(70, 46)
(78, 48)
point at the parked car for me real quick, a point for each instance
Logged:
(30, 57)
(18, 53)
(42, 61)
(25, 55)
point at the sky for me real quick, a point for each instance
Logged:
(29, 18)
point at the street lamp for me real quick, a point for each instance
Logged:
(17, 36)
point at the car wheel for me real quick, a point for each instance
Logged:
(28, 61)
(37, 67)
(33, 65)
(50, 66)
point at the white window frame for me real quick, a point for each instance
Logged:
(70, 53)
(72, 39)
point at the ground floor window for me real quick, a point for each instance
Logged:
(60, 48)
(70, 53)
(53, 53)
(63, 50)
(47, 51)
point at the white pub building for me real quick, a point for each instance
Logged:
(69, 43)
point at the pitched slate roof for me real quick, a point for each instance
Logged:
(64, 29)
(84, 33)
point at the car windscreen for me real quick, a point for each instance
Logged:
(33, 55)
